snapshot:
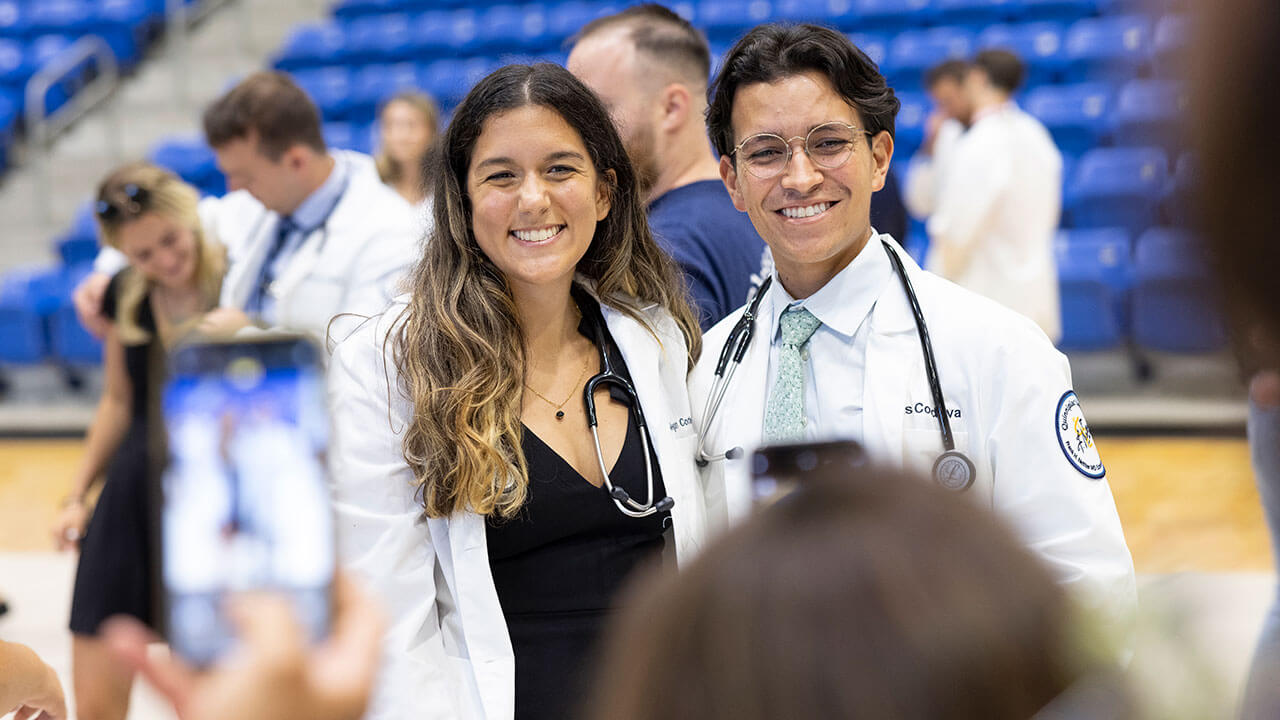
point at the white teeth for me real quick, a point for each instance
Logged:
(542, 235)
(807, 211)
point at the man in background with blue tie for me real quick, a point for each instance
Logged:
(311, 233)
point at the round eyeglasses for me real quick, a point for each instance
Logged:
(828, 145)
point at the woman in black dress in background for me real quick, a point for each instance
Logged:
(173, 278)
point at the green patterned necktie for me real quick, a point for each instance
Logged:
(784, 415)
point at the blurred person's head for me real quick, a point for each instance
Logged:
(945, 84)
(532, 189)
(785, 81)
(862, 594)
(649, 67)
(149, 215)
(408, 125)
(1232, 121)
(266, 135)
(993, 77)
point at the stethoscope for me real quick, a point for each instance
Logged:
(952, 469)
(605, 378)
(262, 287)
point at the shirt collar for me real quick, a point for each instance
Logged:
(315, 210)
(847, 299)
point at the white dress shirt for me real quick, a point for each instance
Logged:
(835, 356)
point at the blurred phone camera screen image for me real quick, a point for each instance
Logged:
(245, 492)
(777, 470)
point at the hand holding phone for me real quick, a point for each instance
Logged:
(244, 494)
(273, 674)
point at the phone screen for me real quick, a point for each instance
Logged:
(777, 470)
(245, 501)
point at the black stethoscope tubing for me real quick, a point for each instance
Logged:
(608, 377)
(952, 469)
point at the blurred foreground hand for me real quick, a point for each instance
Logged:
(272, 674)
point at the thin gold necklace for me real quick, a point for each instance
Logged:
(558, 406)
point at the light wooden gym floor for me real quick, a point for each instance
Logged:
(1188, 505)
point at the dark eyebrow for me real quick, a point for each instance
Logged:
(553, 157)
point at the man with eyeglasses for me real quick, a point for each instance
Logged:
(852, 340)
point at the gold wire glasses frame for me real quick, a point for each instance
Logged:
(828, 145)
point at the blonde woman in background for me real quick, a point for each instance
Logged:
(408, 127)
(171, 283)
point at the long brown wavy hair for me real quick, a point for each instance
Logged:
(459, 348)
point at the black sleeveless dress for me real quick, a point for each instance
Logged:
(116, 554)
(559, 564)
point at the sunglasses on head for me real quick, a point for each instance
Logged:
(135, 201)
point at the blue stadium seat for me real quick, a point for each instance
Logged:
(513, 27)
(892, 14)
(450, 80)
(38, 53)
(566, 18)
(129, 26)
(13, 19)
(463, 31)
(1058, 9)
(914, 51)
(378, 38)
(1117, 187)
(348, 136)
(909, 127)
(1108, 47)
(25, 298)
(976, 12)
(329, 88)
(1169, 43)
(1076, 115)
(374, 84)
(312, 45)
(1094, 275)
(1147, 112)
(189, 157)
(1174, 308)
(69, 343)
(875, 46)
(1039, 44)
(730, 18)
(433, 34)
(835, 13)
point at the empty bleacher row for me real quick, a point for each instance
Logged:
(1102, 77)
(34, 32)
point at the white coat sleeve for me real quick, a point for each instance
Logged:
(1068, 518)
(381, 537)
(968, 195)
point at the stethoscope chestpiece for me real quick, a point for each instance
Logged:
(954, 471)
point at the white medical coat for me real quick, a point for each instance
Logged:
(1003, 384)
(925, 171)
(447, 652)
(999, 200)
(353, 264)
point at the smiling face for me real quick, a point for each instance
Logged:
(535, 196)
(161, 249)
(815, 220)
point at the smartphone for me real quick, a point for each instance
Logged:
(777, 470)
(244, 499)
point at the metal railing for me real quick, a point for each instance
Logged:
(42, 126)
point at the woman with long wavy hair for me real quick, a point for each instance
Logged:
(470, 489)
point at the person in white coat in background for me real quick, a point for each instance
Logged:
(803, 122)
(945, 126)
(999, 200)
(310, 233)
(486, 485)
